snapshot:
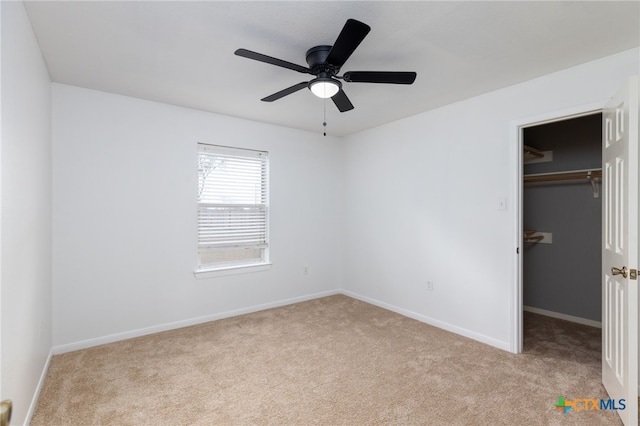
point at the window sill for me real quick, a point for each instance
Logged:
(230, 270)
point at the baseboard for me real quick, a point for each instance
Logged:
(431, 321)
(565, 317)
(84, 344)
(36, 394)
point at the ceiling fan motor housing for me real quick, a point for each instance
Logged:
(317, 60)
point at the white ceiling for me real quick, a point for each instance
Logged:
(181, 52)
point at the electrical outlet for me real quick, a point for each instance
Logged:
(429, 285)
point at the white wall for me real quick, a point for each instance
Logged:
(124, 217)
(422, 195)
(25, 209)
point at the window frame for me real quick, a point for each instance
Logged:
(206, 270)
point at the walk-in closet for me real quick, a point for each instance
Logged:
(562, 216)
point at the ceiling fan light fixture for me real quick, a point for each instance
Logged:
(324, 87)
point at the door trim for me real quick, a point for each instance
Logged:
(516, 192)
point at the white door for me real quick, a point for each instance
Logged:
(620, 251)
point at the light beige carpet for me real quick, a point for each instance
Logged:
(330, 361)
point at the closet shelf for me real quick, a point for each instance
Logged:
(533, 155)
(533, 239)
(533, 152)
(537, 237)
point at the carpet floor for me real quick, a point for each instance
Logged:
(329, 361)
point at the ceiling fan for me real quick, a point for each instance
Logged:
(325, 63)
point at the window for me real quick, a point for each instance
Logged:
(232, 207)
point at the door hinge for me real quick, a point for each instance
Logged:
(633, 274)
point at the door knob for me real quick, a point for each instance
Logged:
(618, 271)
(5, 412)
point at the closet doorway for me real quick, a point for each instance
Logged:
(562, 219)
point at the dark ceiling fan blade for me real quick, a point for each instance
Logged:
(391, 77)
(342, 101)
(285, 92)
(348, 40)
(271, 60)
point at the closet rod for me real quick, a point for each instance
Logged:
(568, 175)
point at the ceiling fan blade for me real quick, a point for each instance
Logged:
(285, 92)
(342, 101)
(348, 40)
(391, 77)
(270, 60)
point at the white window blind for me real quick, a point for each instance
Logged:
(232, 206)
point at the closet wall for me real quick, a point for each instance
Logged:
(564, 276)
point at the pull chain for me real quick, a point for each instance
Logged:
(324, 122)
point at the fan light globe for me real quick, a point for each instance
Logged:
(324, 88)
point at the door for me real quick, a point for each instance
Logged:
(620, 251)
